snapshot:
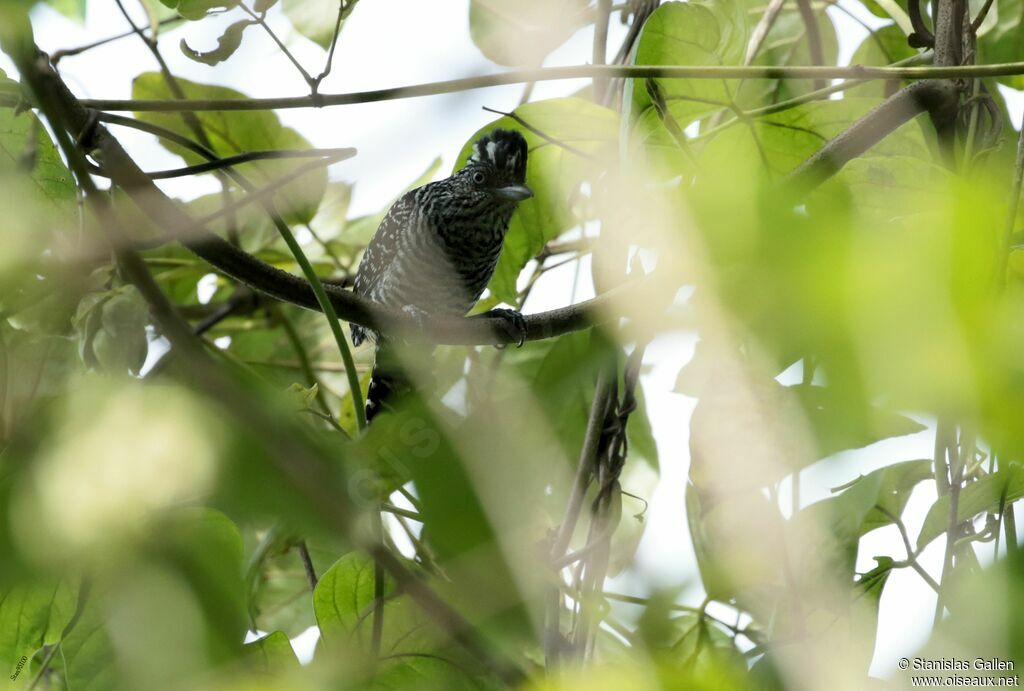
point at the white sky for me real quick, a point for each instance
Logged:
(397, 141)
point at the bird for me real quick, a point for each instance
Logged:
(436, 249)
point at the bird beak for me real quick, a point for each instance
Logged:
(514, 193)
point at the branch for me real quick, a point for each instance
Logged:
(600, 48)
(764, 25)
(307, 564)
(932, 96)
(561, 73)
(813, 37)
(287, 287)
(228, 161)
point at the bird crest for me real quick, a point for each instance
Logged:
(505, 151)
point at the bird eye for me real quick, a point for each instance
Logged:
(478, 178)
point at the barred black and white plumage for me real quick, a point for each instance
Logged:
(436, 249)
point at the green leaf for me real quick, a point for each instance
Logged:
(120, 342)
(41, 364)
(1001, 41)
(783, 140)
(854, 511)
(197, 9)
(898, 481)
(881, 47)
(986, 495)
(425, 672)
(302, 397)
(839, 426)
(88, 652)
(232, 133)
(553, 173)
(25, 147)
(204, 548)
(343, 600)
(227, 44)
(691, 33)
(522, 32)
(72, 9)
(315, 19)
(272, 653)
(262, 6)
(32, 616)
(280, 598)
(786, 45)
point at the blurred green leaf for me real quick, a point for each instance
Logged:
(38, 368)
(72, 9)
(1000, 40)
(235, 132)
(272, 653)
(27, 151)
(554, 173)
(838, 426)
(280, 597)
(522, 32)
(315, 19)
(345, 610)
(989, 493)
(883, 46)
(197, 9)
(120, 342)
(227, 44)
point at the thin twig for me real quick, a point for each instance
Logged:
(600, 50)
(813, 34)
(546, 137)
(585, 466)
(59, 55)
(307, 564)
(716, 72)
(911, 553)
(265, 193)
(959, 452)
(330, 53)
(247, 157)
(760, 33)
(262, 22)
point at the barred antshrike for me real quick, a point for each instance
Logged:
(437, 247)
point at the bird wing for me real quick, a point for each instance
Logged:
(384, 247)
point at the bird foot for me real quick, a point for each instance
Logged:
(514, 323)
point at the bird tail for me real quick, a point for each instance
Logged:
(388, 381)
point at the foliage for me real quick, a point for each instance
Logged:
(158, 503)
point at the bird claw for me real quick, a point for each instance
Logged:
(513, 322)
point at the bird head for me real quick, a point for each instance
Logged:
(497, 167)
